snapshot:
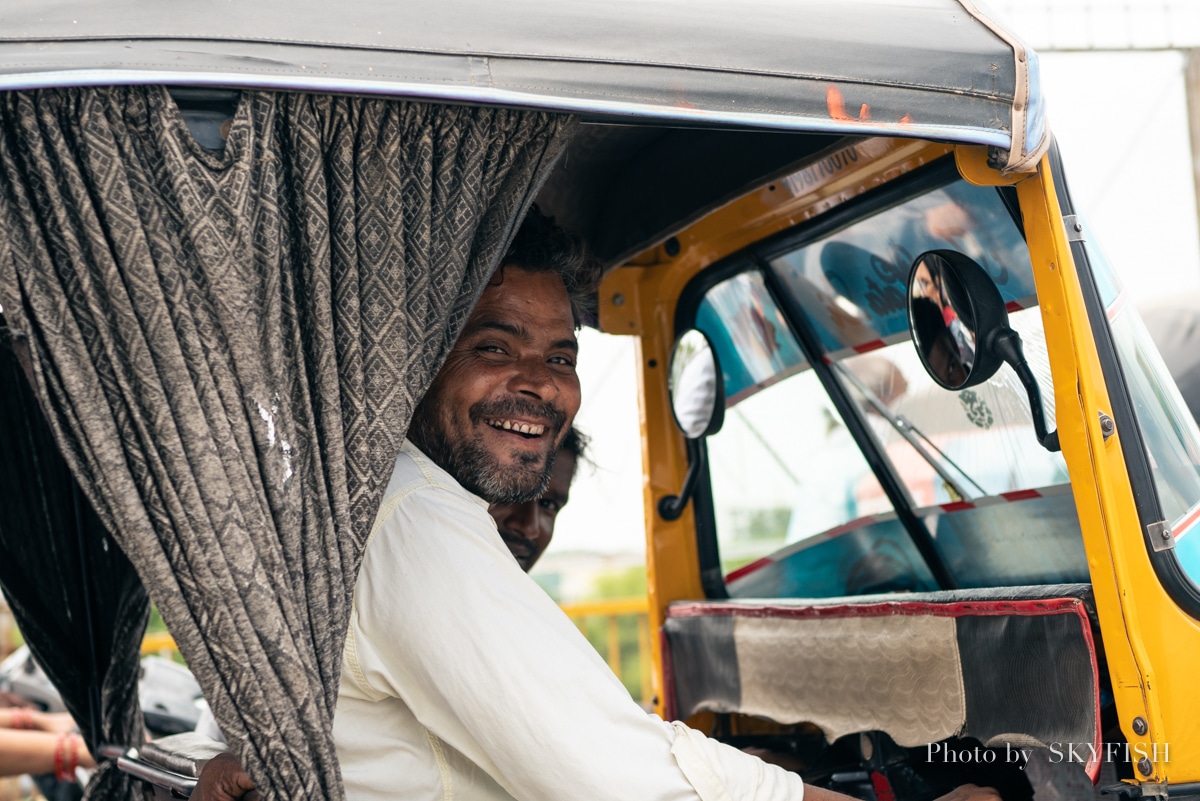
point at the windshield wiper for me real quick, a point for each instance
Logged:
(912, 435)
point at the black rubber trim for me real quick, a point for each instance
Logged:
(1008, 196)
(708, 550)
(1179, 586)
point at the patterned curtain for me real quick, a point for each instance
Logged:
(228, 347)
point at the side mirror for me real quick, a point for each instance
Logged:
(960, 329)
(952, 308)
(697, 390)
(696, 387)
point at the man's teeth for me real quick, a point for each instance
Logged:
(520, 428)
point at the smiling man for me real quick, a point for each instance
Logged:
(461, 679)
(496, 412)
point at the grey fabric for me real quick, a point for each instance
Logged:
(228, 347)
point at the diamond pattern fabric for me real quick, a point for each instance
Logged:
(228, 347)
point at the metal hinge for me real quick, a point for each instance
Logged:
(1161, 538)
(1074, 226)
(1143, 791)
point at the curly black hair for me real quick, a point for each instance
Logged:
(541, 245)
(575, 443)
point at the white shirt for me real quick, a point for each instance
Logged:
(461, 679)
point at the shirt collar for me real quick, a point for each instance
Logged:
(439, 474)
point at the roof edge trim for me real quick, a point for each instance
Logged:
(1028, 106)
(504, 97)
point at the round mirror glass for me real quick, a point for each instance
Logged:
(694, 380)
(942, 319)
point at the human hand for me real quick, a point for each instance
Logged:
(969, 792)
(224, 779)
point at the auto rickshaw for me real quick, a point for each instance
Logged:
(916, 481)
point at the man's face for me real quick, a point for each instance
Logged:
(500, 406)
(528, 527)
(926, 285)
(945, 361)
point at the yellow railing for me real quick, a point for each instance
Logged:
(158, 642)
(611, 610)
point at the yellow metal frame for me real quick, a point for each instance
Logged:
(1150, 644)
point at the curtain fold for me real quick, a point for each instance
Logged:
(57, 561)
(228, 348)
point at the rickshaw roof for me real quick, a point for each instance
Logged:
(920, 68)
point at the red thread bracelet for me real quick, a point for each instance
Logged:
(59, 755)
(21, 718)
(74, 757)
(62, 771)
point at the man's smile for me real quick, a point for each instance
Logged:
(530, 430)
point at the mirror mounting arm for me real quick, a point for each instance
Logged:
(670, 507)
(1007, 343)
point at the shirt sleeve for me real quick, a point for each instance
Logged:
(445, 620)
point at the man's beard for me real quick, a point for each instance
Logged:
(474, 466)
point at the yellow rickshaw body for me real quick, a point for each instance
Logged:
(1150, 643)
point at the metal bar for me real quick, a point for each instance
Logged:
(614, 645)
(604, 608)
(643, 644)
(645, 112)
(180, 786)
(846, 406)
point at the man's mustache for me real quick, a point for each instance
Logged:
(545, 412)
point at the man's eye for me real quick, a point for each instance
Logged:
(549, 505)
(563, 360)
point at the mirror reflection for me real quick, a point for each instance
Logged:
(943, 322)
(694, 385)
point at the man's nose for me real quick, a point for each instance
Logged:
(533, 377)
(523, 520)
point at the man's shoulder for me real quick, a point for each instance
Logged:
(415, 470)
(416, 479)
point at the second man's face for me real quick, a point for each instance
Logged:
(527, 528)
(500, 406)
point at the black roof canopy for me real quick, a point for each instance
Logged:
(930, 68)
(689, 101)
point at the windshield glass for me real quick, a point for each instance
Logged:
(1171, 436)
(799, 509)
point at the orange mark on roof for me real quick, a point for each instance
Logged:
(836, 104)
(837, 108)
